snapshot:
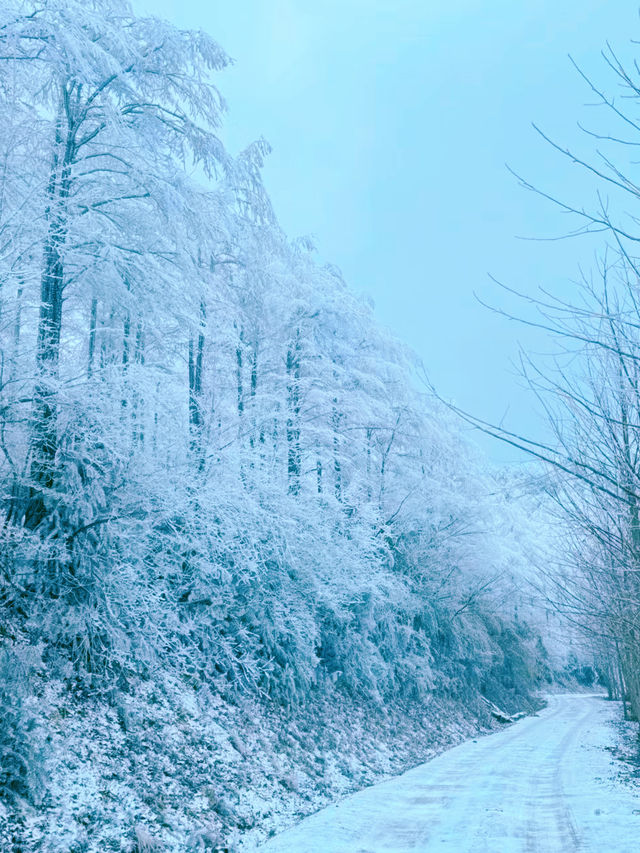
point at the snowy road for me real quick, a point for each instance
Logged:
(543, 785)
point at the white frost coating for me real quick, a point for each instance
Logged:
(545, 784)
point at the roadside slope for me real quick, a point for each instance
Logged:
(544, 784)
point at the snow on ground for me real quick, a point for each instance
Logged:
(546, 784)
(185, 768)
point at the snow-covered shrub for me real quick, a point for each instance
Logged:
(21, 748)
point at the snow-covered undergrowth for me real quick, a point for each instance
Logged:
(286, 684)
(246, 560)
(185, 757)
(180, 768)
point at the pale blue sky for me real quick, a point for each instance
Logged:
(391, 122)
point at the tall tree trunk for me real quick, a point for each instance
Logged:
(239, 382)
(44, 438)
(196, 359)
(93, 321)
(126, 357)
(293, 417)
(337, 465)
(253, 387)
(369, 437)
(138, 428)
(17, 329)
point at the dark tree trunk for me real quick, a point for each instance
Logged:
(337, 466)
(44, 437)
(293, 418)
(93, 321)
(138, 429)
(196, 358)
(126, 357)
(239, 382)
(252, 394)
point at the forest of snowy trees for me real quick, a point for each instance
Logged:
(219, 476)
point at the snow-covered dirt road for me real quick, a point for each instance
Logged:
(545, 784)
